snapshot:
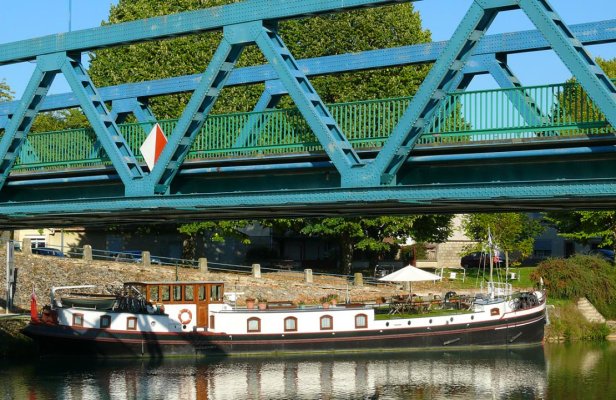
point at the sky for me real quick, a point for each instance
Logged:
(26, 19)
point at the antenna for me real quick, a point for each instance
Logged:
(70, 15)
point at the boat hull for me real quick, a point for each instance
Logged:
(505, 332)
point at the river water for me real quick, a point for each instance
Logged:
(577, 371)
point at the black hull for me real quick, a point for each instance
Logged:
(61, 340)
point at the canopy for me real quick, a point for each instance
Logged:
(410, 274)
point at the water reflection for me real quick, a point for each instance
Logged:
(491, 374)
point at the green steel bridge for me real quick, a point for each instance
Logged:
(446, 149)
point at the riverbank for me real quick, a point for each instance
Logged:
(42, 272)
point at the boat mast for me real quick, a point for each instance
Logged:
(491, 281)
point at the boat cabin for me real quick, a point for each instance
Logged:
(169, 295)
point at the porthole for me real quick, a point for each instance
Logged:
(472, 317)
(430, 320)
(451, 319)
(386, 323)
(409, 323)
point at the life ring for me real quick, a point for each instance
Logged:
(185, 321)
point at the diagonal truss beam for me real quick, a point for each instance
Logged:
(573, 54)
(120, 109)
(20, 123)
(427, 100)
(447, 69)
(195, 114)
(307, 100)
(107, 132)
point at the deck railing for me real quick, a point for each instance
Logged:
(526, 113)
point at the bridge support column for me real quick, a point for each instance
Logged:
(87, 252)
(203, 265)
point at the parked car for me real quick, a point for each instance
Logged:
(474, 260)
(606, 254)
(132, 256)
(47, 251)
(386, 268)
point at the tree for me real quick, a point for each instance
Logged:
(6, 94)
(344, 32)
(586, 226)
(217, 232)
(511, 232)
(378, 235)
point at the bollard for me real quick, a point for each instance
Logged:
(359, 279)
(87, 252)
(256, 270)
(27, 246)
(145, 259)
(203, 265)
(308, 275)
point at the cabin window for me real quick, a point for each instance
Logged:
(105, 321)
(77, 319)
(212, 322)
(189, 293)
(494, 311)
(290, 324)
(165, 293)
(177, 293)
(361, 321)
(201, 293)
(327, 322)
(253, 325)
(131, 323)
(154, 293)
(216, 293)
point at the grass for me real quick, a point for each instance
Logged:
(475, 276)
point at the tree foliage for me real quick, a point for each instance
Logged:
(376, 235)
(330, 34)
(511, 232)
(6, 94)
(585, 226)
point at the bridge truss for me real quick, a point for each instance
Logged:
(398, 177)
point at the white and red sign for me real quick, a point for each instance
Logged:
(153, 146)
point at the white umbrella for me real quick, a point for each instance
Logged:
(410, 274)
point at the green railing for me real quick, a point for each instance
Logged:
(528, 113)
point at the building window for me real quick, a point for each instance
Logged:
(361, 321)
(327, 323)
(254, 325)
(105, 321)
(290, 324)
(131, 323)
(77, 319)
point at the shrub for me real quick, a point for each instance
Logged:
(580, 276)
